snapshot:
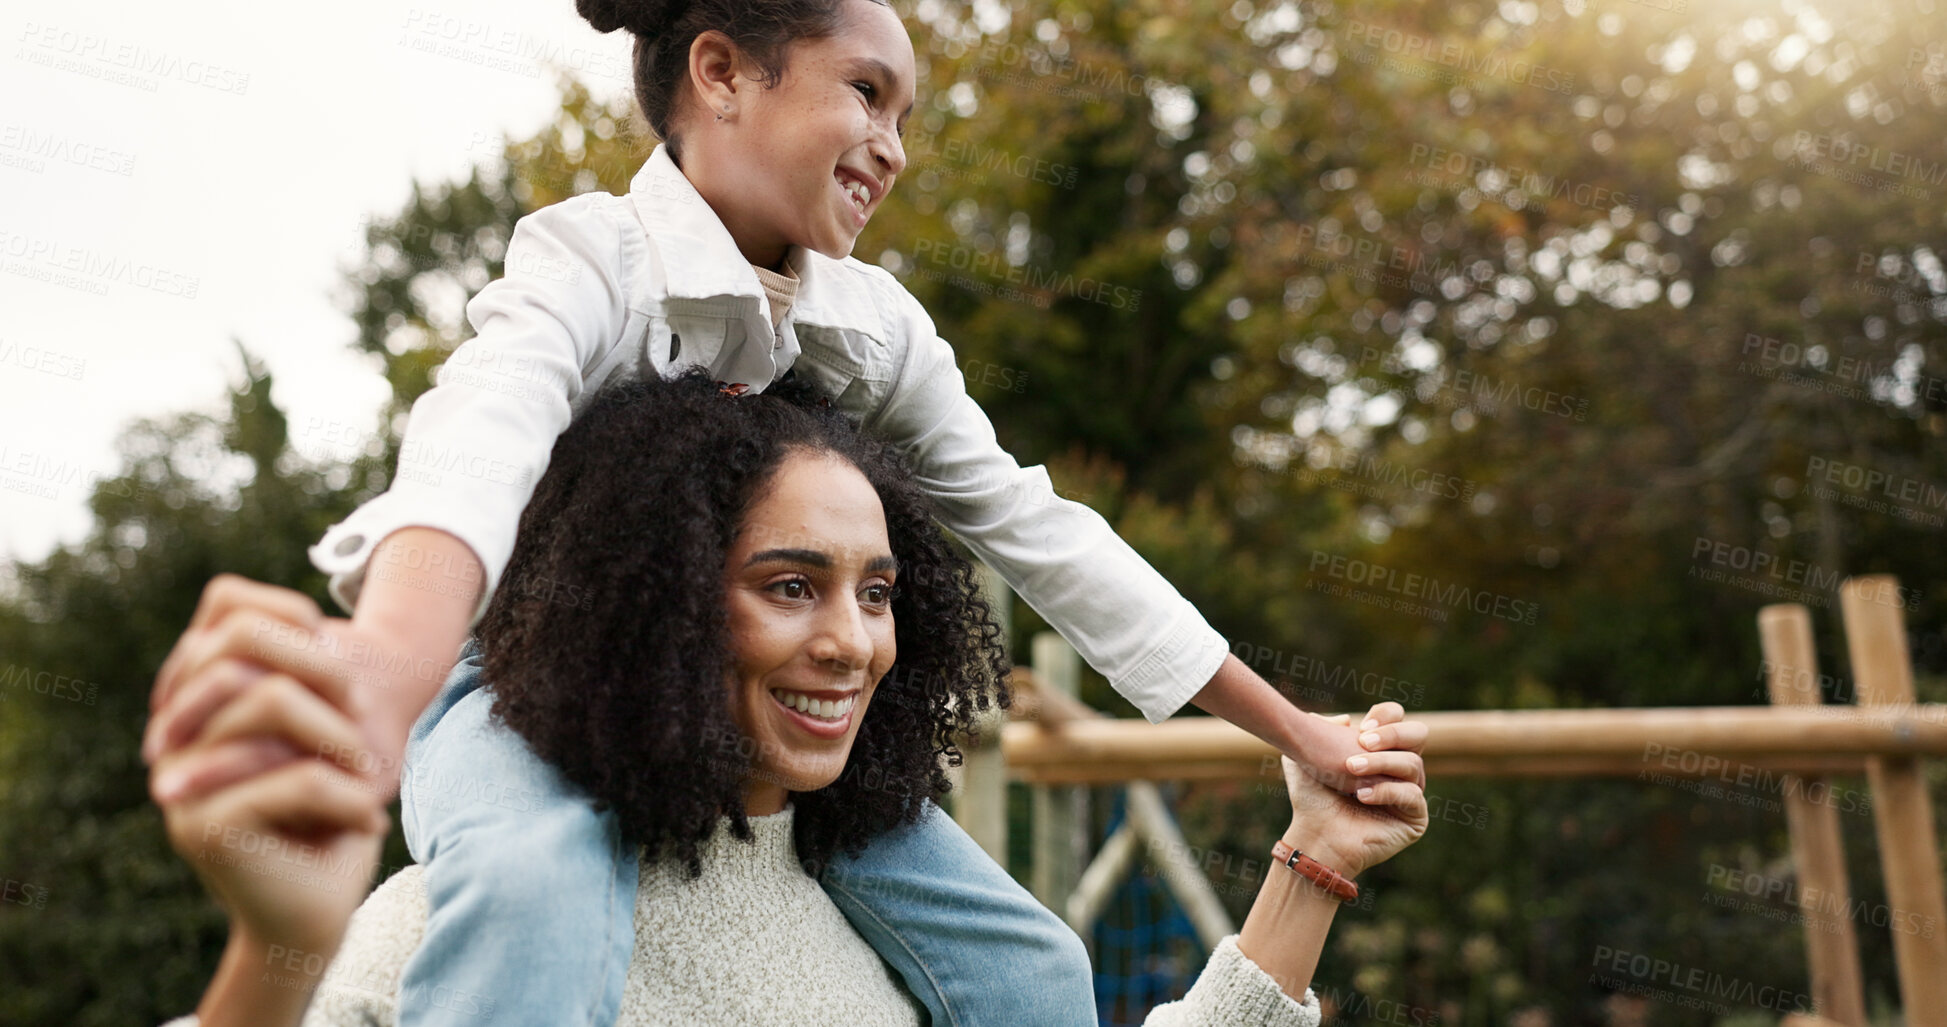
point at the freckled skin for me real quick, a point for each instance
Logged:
(801, 626)
(767, 168)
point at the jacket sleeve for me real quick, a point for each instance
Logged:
(1119, 613)
(477, 441)
(1232, 991)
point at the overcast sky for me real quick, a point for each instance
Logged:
(173, 176)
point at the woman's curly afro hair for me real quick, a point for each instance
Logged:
(610, 623)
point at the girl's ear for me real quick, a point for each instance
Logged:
(716, 68)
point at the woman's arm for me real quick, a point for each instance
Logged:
(289, 852)
(1264, 975)
(1285, 931)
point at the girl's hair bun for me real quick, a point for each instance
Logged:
(642, 17)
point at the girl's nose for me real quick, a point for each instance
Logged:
(890, 153)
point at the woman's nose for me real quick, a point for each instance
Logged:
(842, 637)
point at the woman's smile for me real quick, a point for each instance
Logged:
(810, 579)
(817, 714)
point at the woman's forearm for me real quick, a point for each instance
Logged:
(1284, 934)
(259, 985)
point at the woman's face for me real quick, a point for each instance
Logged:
(808, 162)
(809, 585)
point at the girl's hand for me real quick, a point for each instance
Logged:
(289, 852)
(1351, 834)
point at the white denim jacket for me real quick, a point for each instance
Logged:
(601, 285)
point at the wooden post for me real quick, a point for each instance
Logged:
(1060, 829)
(1876, 640)
(1785, 630)
(982, 807)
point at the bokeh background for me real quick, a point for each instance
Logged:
(1568, 302)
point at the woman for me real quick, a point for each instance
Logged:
(812, 648)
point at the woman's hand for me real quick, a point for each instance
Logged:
(243, 630)
(290, 851)
(1352, 834)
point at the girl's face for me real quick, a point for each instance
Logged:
(808, 161)
(809, 584)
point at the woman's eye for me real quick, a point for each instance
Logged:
(878, 595)
(795, 588)
(866, 88)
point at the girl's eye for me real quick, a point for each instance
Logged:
(866, 88)
(878, 595)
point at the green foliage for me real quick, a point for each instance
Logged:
(1214, 265)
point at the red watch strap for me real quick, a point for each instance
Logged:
(1318, 873)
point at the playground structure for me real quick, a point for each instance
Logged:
(1057, 745)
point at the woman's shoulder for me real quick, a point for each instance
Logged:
(362, 984)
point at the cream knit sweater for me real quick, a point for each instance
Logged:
(753, 942)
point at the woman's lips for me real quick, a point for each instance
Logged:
(821, 718)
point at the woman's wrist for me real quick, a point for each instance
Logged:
(1306, 840)
(260, 983)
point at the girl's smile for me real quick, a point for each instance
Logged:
(804, 161)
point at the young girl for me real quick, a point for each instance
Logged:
(781, 124)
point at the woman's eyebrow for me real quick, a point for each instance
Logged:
(814, 558)
(810, 557)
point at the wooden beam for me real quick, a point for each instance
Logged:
(1724, 742)
(1831, 948)
(1876, 640)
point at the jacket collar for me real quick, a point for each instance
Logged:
(701, 261)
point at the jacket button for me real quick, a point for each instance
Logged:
(349, 545)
